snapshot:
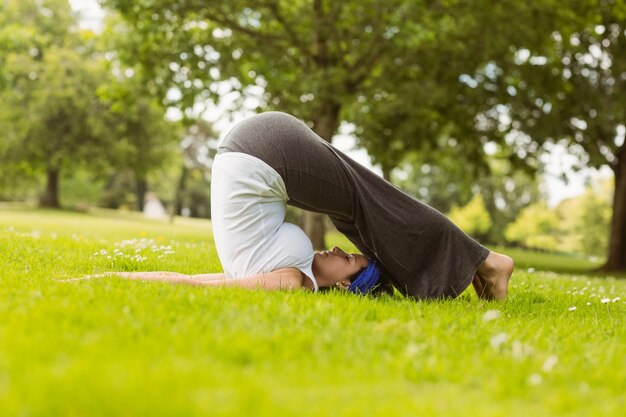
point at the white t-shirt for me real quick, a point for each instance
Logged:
(248, 206)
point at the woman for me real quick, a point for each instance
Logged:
(273, 159)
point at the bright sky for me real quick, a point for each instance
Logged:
(558, 161)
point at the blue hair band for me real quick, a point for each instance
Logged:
(367, 279)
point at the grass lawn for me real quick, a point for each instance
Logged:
(112, 347)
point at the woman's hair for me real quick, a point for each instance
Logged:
(351, 278)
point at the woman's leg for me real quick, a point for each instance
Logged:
(314, 177)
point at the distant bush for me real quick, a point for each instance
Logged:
(473, 218)
(536, 227)
(577, 225)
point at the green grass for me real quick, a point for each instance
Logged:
(111, 347)
(550, 262)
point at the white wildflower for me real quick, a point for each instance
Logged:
(491, 315)
(572, 308)
(520, 350)
(530, 270)
(534, 379)
(412, 349)
(549, 363)
(605, 300)
(497, 340)
(616, 299)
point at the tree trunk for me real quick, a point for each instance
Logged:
(314, 228)
(50, 197)
(140, 192)
(616, 260)
(325, 125)
(178, 199)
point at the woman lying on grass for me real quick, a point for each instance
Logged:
(273, 159)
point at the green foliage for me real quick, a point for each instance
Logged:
(536, 227)
(80, 189)
(65, 109)
(118, 191)
(594, 224)
(560, 86)
(392, 67)
(443, 179)
(308, 56)
(114, 347)
(143, 138)
(50, 118)
(586, 219)
(566, 86)
(57, 93)
(399, 70)
(473, 218)
(577, 225)
(197, 195)
(18, 182)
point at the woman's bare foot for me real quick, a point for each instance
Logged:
(478, 286)
(493, 276)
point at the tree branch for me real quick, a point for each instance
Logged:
(231, 24)
(288, 29)
(321, 48)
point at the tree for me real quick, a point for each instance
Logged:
(46, 91)
(63, 106)
(50, 115)
(315, 59)
(568, 87)
(199, 147)
(143, 139)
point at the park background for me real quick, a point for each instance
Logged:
(488, 111)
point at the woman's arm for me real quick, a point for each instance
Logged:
(208, 277)
(285, 278)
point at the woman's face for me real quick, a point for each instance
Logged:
(336, 266)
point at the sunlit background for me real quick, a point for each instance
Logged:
(553, 195)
